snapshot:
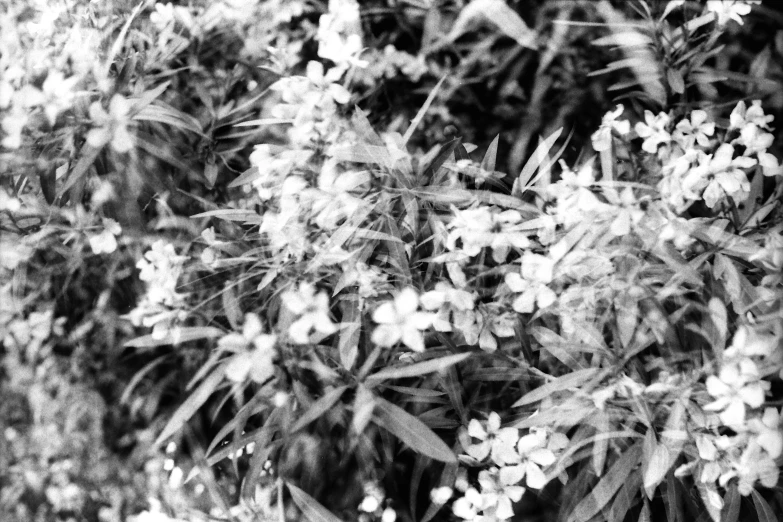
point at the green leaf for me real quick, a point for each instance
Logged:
(498, 13)
(731, 504)
(149, 96)
(568, 381)
(535, 161)
(87, 156)
(490, 157)
(161, 113)
(176, 336)
(420, 115)
(232, 214)
(412, 431)
(363, 406)
(246, 177)
(625, 498)
(350, 330)
(763, 509)
(319, 407)
(191, 405)
(603, 492)
(311, 508)
(417, 369)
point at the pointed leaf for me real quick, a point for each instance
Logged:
(603, 492)
(417, 369)
(310, 507)
(420, 115)
(412, 431)
(763, 509)
(319, 407)
(177, 336)
(731, 504)
(490, 157)
(568, 381)
(536, 159)
(191, 405)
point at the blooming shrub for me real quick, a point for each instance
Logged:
(596, 337)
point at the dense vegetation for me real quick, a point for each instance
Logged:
(391, 260)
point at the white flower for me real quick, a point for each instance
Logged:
(400, 320)
(494, 441)
(313, 312)
(483, 325)
(769, 432)
(482, 227)
(719, 174)
(533, 453)
(694, 130)
(160, 268)
(254, 351)
(726, 10)
(111, 127)
(736, 385)
(105, 242)
(446, 299)
(602, 138)
(537, 272)
(500, 491)
(742, 116)
(653, 130)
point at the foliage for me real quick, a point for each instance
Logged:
(218, 216)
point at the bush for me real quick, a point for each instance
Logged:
(274, 298)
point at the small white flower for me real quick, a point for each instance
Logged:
(602, 138)
(726, 10)
(254, 352)
(313, 312)
(694, 130)
(653, 130)
(105, 242)
(537, 271)
(400, 320)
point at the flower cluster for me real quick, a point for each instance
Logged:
(161, 306)
(513, 463)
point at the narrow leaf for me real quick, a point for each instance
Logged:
(603, 492)
(412, 431)
(490, 157)
(534, 162)
(420, 115)
(565, 382)
(417, 369)
(311, 508)
(319, 407)
(176, 336)
(191, 405)
(731, 504)
(763, 509)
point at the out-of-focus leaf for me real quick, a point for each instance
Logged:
(624, 39)
(568, 381)
(498, 13)
(231, 305)
(87, 156)
(350, 330)
(311, 508)
(763, 509)
(731, 504)
(176, 336)
(319, 407)
(165, 114)
(417, 369)
(48, 179)
(211, 172)
(263, 121)
(246, 177)
(363, 406)
(149, 96)
(676, 81)
(191, 405)
(603, 492)
(413, 432)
